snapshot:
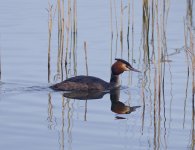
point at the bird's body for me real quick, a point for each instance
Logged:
(89, 83)
(82, 83)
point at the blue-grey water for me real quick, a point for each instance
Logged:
(32, 116)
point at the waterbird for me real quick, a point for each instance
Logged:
(90, 83)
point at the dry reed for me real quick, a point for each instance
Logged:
(86, 64)
(112, 32)
(75, 36)
(116, 24)
(121, 30)
(128, 30)
(145, 28)
(60, 6)
(66, 47)
(75, 17)
(50, 22)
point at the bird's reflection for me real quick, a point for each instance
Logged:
(116, 105)
(84, 95)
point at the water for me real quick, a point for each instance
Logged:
(35, 117)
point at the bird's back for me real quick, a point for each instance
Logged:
(82, 83)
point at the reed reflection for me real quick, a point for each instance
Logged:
(64, 123)
(157, 89)
(50, 117)
(190, 56)
(158, 55)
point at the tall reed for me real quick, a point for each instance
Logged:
(121, 29)
(50, 22)
(75, 17)
(75, 36)
(132, 31)
(67, 38)
(145, 28)
(86, 64)
(112, 31)
(116, 25)
(68, 28)
(128, 30)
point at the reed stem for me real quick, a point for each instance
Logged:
(50, 22)
(86, 64)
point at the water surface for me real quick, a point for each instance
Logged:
(36, 117)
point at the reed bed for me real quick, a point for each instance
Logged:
(154, 20)
(64, 14)
(153, 52)
(67, 38)
(159, 56)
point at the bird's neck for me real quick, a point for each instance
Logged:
(114, 80)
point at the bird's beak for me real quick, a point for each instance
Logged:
(133, 69)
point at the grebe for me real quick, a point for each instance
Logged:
(86, 83)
